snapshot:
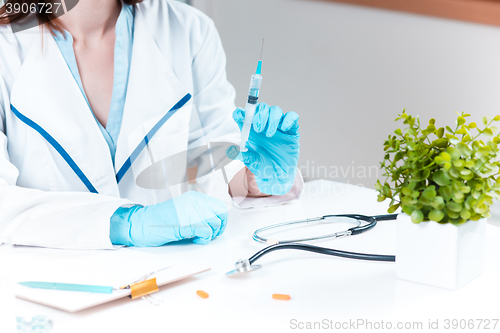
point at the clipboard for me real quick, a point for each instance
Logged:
(117, 274)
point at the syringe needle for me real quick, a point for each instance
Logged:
(262, 49)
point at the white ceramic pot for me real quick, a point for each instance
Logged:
(440, 255)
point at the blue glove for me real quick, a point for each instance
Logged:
(273, 148)
(191, 215)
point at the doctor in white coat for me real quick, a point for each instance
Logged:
(94, 105)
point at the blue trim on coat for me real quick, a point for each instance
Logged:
(72, 164)
(140, 147)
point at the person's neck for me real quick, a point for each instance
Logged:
(91, 19)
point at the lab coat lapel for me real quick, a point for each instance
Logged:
(46, 93)
(153, 90)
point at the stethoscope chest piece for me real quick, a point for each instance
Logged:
(243, 266)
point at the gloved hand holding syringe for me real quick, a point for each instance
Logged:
(269, 145)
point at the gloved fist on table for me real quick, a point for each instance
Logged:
(273, 148)
(191, 215)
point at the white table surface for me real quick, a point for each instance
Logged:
(321, 287)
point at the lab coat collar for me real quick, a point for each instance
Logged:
(153, 89)
(46, 93)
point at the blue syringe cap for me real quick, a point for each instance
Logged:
(259, 68)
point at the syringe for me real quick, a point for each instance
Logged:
(253, 97)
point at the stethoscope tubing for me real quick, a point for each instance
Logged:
(358, 229)
(321, 250)
(333, 252)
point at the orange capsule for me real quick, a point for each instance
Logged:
(281, 297)
(202, 294)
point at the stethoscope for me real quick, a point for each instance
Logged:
(363, 224)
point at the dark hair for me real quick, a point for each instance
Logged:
(25, 12)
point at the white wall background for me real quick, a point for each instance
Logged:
(349, 70)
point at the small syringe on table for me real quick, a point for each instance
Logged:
(253, 97)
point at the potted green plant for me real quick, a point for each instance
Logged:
(444, 180)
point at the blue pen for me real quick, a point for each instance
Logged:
(86, 287)
(68, 287)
